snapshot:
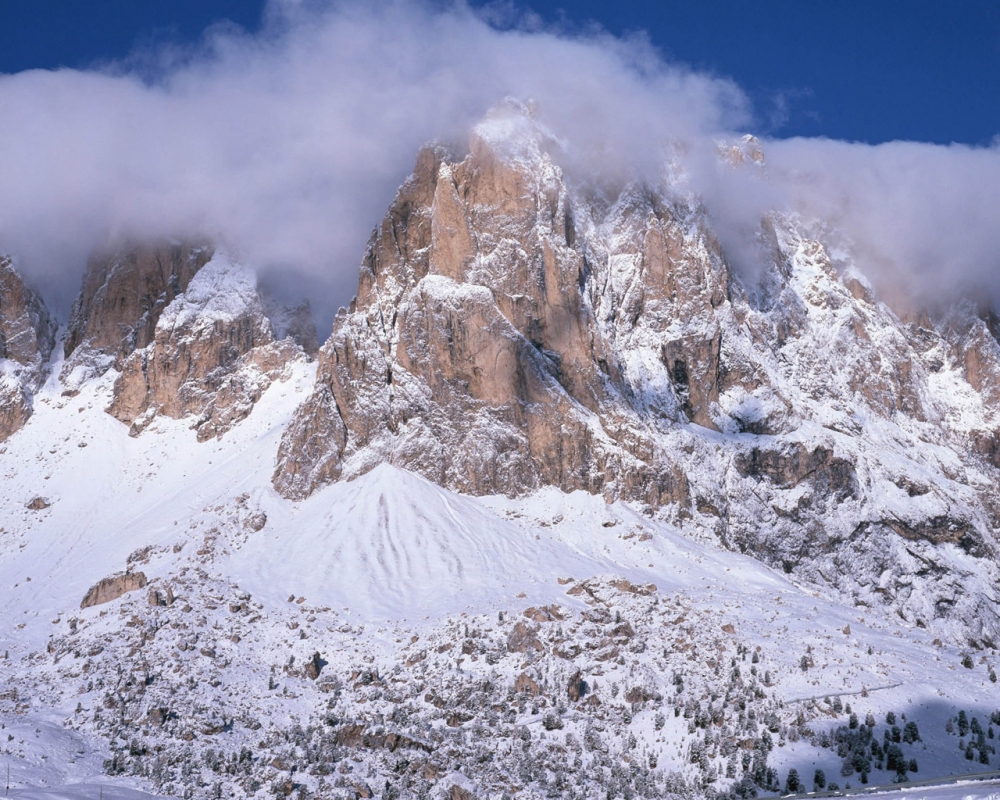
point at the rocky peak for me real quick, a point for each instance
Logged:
(513, 330)
(472, 353)
(27, 336)
(212, 354)
(125, 289)
(187, 329)
(746, 150)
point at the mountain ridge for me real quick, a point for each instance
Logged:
(565, 505)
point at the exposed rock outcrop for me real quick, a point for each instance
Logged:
(515, 329)
(212, 355)
(188, 331)
(113, 587)
(123, 295)
(27, 336)
(473, 355)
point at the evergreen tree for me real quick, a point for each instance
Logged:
(819, 779)
(792, 784)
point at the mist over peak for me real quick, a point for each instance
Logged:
(289, 144)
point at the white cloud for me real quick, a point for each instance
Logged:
(923, 220)
(289, 144)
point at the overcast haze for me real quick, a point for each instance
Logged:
(288, 145)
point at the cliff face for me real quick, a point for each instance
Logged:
(188, 331)
(123, 294)
(473, 355)
(27, 336)
(212, 355)
(514, 330)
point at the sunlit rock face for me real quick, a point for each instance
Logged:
(515, 329)
(188, 331)
(27, 336)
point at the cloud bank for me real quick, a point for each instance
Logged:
(289, 144)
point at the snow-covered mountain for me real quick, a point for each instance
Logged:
(568, 506)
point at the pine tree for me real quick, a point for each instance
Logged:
(792, 784)
(819, 779)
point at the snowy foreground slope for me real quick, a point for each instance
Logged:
(549, 645)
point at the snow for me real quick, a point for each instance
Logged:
(221, 291)
(395, 556)
(408, 591)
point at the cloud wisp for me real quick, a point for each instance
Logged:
(289, 144)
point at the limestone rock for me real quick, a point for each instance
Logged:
(577, 687)
(472, 355)
(27, 336)
(314, 666)
(523, 638)
(123, 295)
(212, 355)
(517, 327)
(113, 587)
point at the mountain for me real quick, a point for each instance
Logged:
(27, 336)
(572, 502)
(514, 331)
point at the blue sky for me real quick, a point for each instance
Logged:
(865, 71)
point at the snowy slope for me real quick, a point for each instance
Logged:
(400, 577)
